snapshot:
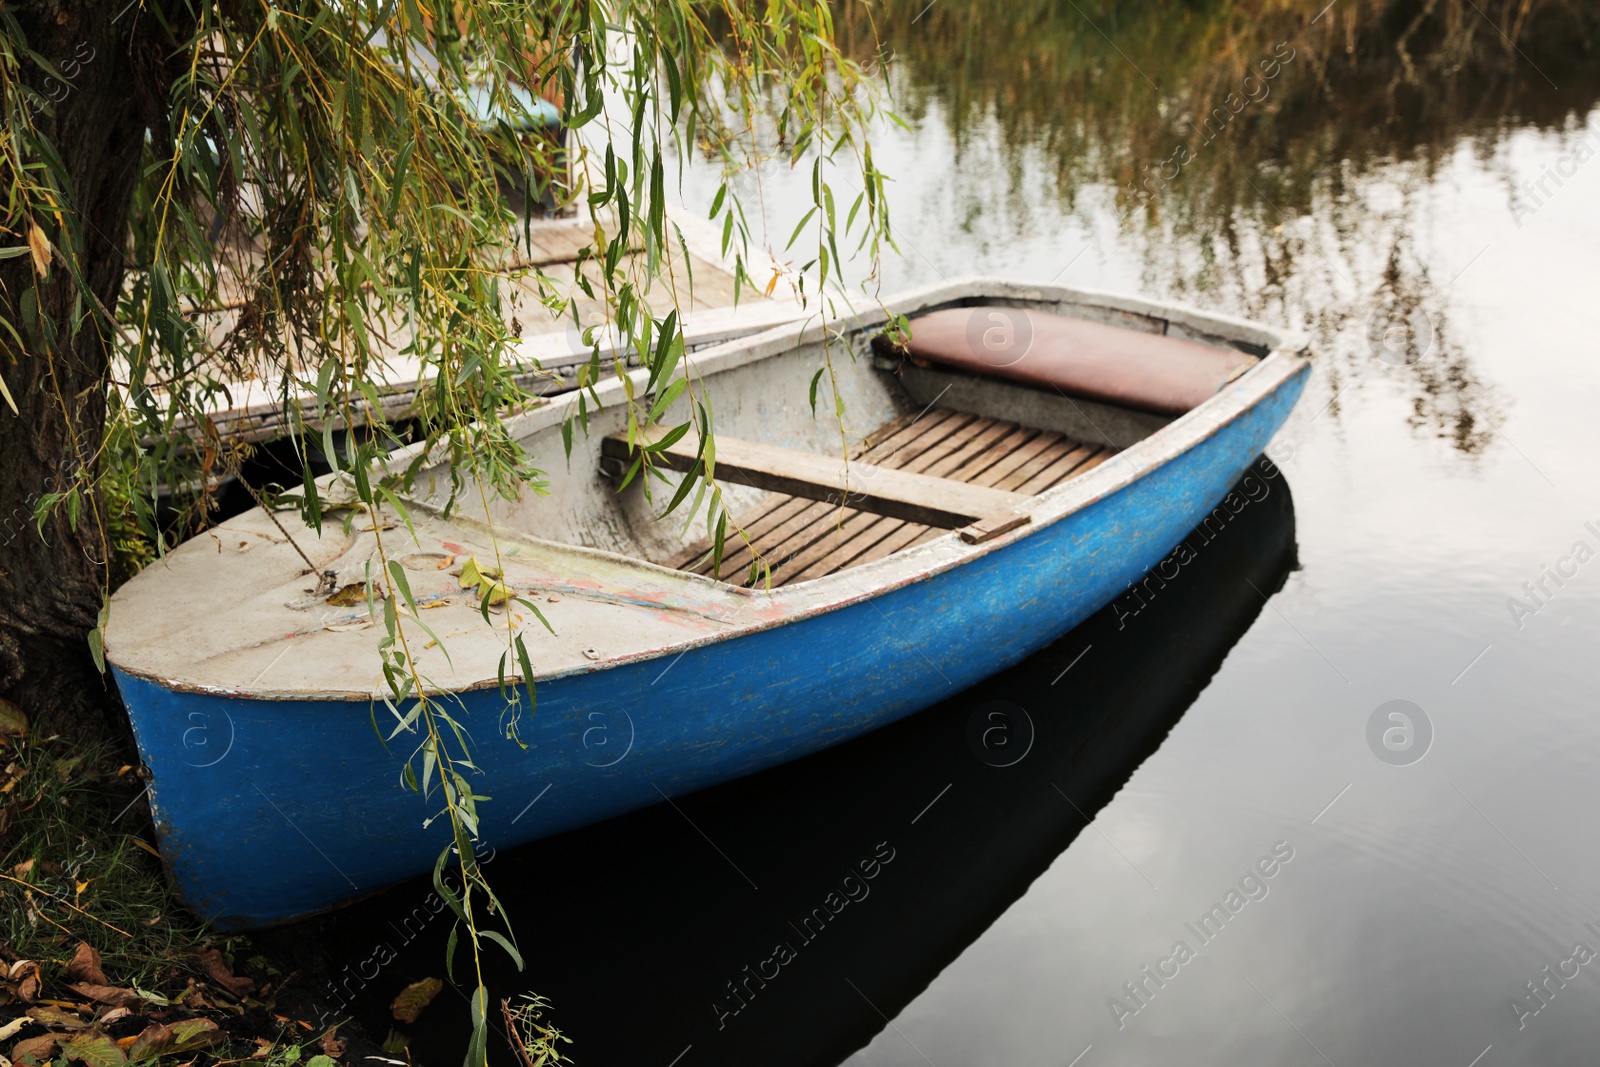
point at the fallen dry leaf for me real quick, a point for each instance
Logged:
(193, 999)
(33, 1051)
(115, 996)
(414, 997)
(85, 965)
(152, 1041)
(355, 593)
(196, 1033)
(94, 1049)
(217, 969)
(39, 247)
(49, 1016)
(474, 573)
(9, 1030)
(23, 980)
(172, 1039)
(13, 723)
(332, 1043)
(427, 561)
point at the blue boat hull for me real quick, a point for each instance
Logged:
(272, 810)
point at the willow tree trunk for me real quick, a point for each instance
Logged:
(53, 581)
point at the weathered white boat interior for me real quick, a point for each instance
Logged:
(953, 450)
(932, 445)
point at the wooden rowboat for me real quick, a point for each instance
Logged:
(675, 924)
(1032, 453)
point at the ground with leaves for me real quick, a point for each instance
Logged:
(101, 966)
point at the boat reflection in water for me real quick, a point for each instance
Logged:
(782, 918)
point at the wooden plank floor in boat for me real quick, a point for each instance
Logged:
(803, 539)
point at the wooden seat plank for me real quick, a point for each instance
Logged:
(892, 538)
(889, 429)
(833, 534)
(980, 439)
(980, 471)
(906, 535)
(918, 438)
(1061, 446)
(979, 445)
(801, 537)
(874, 488)
(803, 524)
(794, 536)
(974, 462)
(1069, 466)
(1058, 468)
(756, 525)
(1004, 465)
(778, 508)
(768, 512)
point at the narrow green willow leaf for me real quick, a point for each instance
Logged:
(668, 396)
(799, 226)
(398, 573)
(511, 950)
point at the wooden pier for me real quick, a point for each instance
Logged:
(551, 349)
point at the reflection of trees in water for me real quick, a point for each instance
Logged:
(1352, 277)
(1373, 81)
(1244, 189)
(1406, 331)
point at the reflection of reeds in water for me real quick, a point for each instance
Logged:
(1114, 88)
(1238, 135)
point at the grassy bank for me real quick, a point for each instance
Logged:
(100, 964)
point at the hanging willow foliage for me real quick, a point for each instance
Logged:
(316, 189)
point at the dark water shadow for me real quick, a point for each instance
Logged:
(782, 918)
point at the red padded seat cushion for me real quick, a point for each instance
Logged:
(1087, 359)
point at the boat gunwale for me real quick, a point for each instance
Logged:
(1284, 358)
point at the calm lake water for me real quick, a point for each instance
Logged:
(1444, 462)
